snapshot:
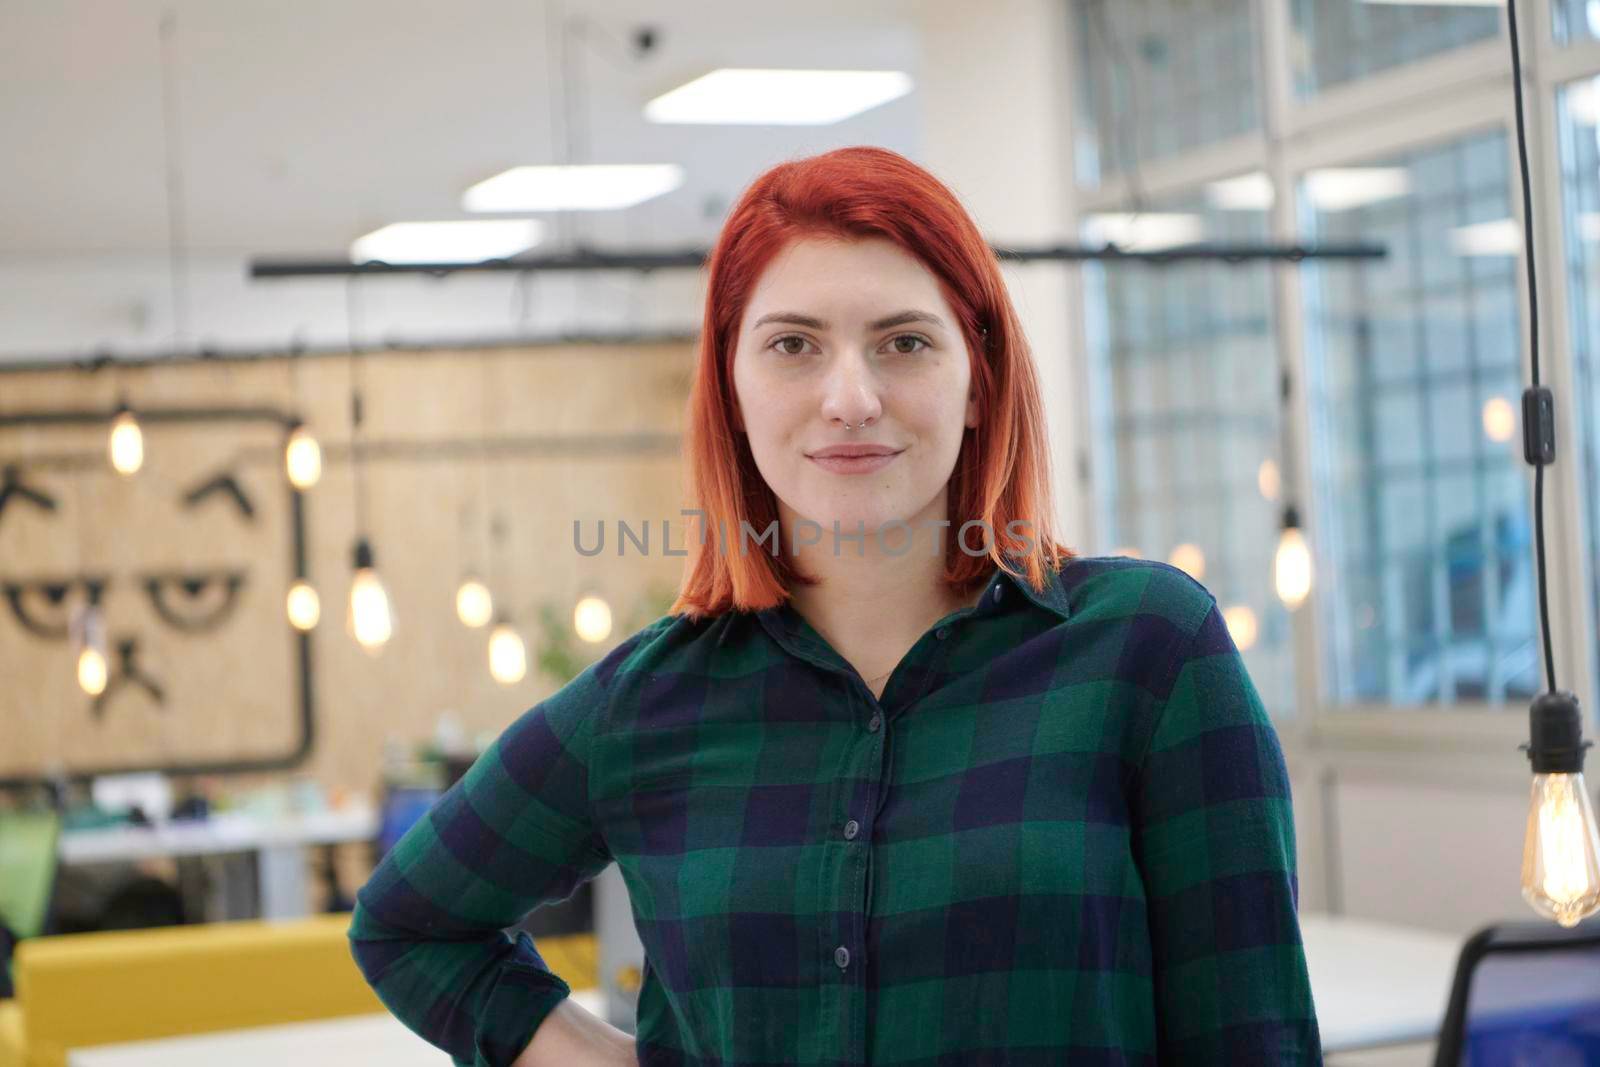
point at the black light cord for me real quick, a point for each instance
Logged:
(1533, 329)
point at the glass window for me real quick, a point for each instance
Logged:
(1413, 361)
(1575, 20)
(1160, 77)
(1338, 41)
(1579, 132)
(1184, 369)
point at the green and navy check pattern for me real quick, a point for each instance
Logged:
(1062, 836)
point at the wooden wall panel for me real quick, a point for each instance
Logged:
(558, 423)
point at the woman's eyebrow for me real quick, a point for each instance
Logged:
(795, 318)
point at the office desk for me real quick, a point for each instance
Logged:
(353, 1040)
(1375, 983)
(279, 846)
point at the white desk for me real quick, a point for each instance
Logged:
(1375, 983)
(279, 845)
(352, 1040)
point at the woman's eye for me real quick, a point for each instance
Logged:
(909, 337)
(785, 340)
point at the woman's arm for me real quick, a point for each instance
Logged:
(571, 1036)
(1214, 838)
(514, 833)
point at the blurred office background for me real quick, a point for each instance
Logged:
(157, 151)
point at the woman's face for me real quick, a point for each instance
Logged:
(853, 332)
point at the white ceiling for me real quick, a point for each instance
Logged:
(306, 123)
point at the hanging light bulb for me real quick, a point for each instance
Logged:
(1561, 853)
(474, 605)
(304, 606)
(370, 621)
(1241, 622)
(126, 444)
(302, 457)
(92, 671)
(508, 656)
(1499, 420)
(88, 637)
(1267, 479)
(1189, 559)
(591, 618)
(1292, 564)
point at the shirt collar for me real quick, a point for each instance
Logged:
(1052, 598)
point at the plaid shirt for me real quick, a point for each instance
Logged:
(1062, 835)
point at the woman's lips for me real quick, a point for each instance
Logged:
(854, 464)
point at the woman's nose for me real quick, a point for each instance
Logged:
(851, 390)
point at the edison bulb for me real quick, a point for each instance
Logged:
(591, 618)
(508, 656)
(370, 620)
(92, 671)
(1267, 479)
(474, 605)
(1291, 568)
(305, 607)
(86, 629)
(126, 444)
(1241, 626)
(302, 457)
(1189, 559)
(1499, 420)
(1561, 853)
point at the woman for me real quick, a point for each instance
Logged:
(899, 779)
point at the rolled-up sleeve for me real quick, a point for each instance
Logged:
(514, 833)
(1214, 838)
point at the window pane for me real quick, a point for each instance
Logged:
(1575, 20)
(1413, 377)
(1185, 377)
(1338, 41)
(1160, 77)
(1580, 211)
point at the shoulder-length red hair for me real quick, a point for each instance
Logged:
(1002, 472)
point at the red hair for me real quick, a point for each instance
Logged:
(1002, 473)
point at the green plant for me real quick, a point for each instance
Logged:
(562, 657)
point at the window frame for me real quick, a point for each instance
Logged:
(1437, 99)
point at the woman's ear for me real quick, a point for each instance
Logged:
(972, 408)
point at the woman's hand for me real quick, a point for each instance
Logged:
(572, 1035)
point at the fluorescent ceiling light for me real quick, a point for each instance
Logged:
(1589, 227)
(1248, 192)
(1497, 238)
(597, 187)
(1343, 188)
(744, 96)
(1147, 232)
(471, 241)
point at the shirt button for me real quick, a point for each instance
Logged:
(942, 632)
(841, 956)
(851, 828)
(874, 722)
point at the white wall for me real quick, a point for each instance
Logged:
(994, 108)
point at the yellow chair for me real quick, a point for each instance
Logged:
(137, 985)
